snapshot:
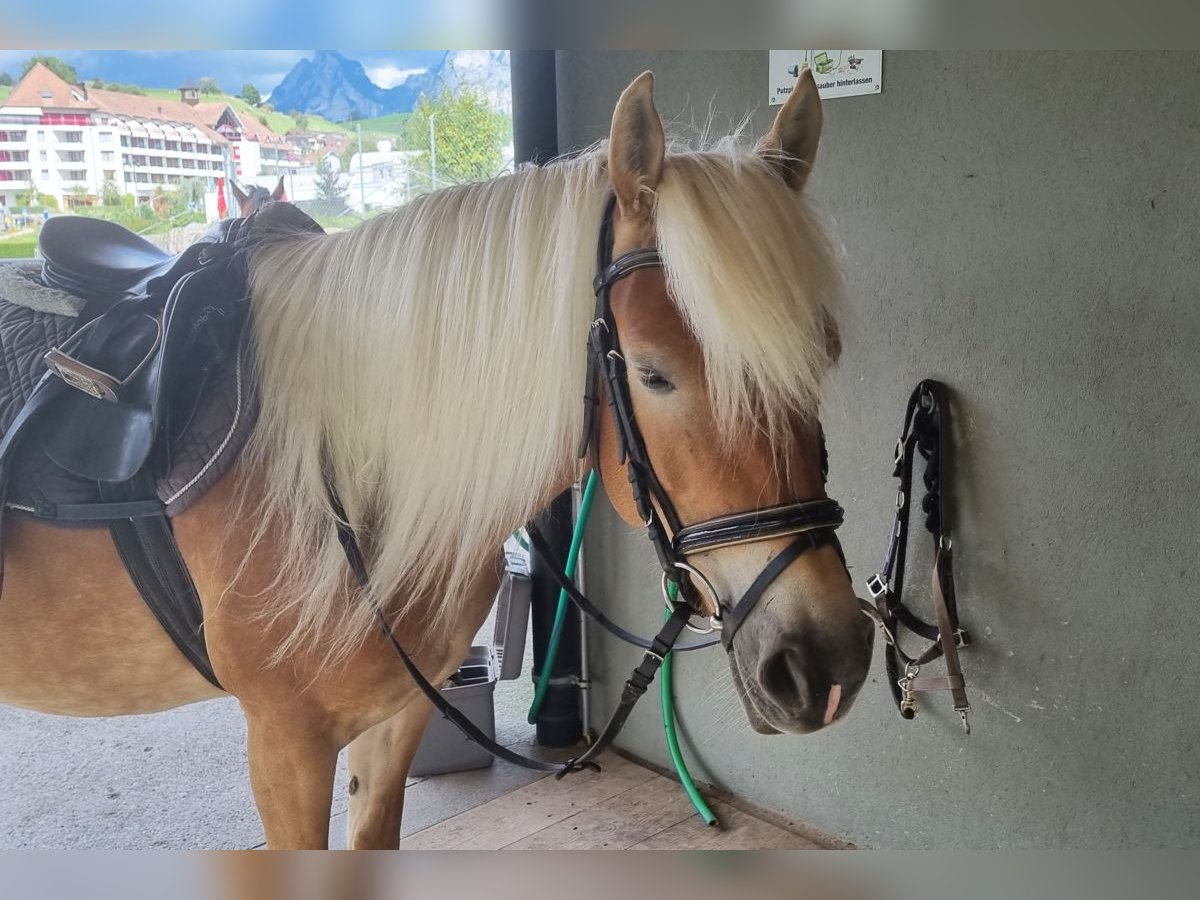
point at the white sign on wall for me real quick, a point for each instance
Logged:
(839, 73)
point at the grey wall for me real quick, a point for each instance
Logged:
(1023, 227)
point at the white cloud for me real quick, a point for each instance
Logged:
(390, 76)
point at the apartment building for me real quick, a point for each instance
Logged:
(69, 141)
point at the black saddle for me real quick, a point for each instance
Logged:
(93, 257)
(148, 314)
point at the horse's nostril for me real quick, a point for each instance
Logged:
(782, 679)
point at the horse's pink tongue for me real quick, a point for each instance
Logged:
(835, 697)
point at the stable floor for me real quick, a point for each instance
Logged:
(627, 806)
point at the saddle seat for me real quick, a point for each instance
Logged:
(92, 257)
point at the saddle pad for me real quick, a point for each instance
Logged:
(202, 451)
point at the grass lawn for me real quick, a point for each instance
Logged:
(5, 90)
(18, 248)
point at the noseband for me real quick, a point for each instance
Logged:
(811, 523)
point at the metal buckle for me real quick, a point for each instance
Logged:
(873, 614)
(908, 699)
(945, 543)
(877, 586)
(962, 715)
(899, 454)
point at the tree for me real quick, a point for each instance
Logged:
(208, 85)
(251, 95)
(6, 80)
(300, 119)
(331, 193)
(110, 194)
(55, 64)
(469, 137)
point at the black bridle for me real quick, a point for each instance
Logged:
(811, 523)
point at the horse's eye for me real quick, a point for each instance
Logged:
(654, 380)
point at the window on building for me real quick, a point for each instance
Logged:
(188, 148)
(71, 137)
(156, 144)
(107, 156)
(173, 145)
(44, 157)
(45, 173)
(156, 160)
(138, 142)
(15, 137)
(124, 140)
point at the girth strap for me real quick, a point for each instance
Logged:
(147, 547)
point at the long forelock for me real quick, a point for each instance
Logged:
(758, 283)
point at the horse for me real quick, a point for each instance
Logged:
(257, 197)
(392, 363)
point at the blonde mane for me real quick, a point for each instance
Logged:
(431, 362)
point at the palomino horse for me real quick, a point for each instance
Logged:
(394, 361)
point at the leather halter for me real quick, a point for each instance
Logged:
(926, 426)
(812, 522)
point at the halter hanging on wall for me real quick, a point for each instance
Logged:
(925, 433)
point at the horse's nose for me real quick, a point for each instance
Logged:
(810, 681)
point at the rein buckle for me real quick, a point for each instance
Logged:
(877, 586)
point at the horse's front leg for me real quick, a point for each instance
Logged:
(378, 761)
(293, 759)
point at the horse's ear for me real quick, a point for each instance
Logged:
(278, 192)
(636, 148)
(791, 144)
(238, 193)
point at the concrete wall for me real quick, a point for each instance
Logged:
(1023, 227)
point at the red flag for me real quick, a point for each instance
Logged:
(222, 205)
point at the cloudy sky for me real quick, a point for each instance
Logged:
(232, 68)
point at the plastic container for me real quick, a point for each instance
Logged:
(444, 748)
(512, 619)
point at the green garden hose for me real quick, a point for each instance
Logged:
(666, 684)
(665, 679)
(564, 602)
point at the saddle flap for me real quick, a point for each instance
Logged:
(98, 440)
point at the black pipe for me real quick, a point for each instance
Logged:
(559, 721)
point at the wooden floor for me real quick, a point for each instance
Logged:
(627, 806)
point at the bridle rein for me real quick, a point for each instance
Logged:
(811, 524)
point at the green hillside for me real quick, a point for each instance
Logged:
(393, 124)
(5, 90)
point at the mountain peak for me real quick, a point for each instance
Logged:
(339, 88)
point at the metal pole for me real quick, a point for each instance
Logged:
(362, 159)
(433, 152)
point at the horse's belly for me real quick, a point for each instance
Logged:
(75, 636)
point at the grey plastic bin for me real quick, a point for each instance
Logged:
(444, 748)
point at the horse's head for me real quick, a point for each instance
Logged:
(725, 346)
(255, 198)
